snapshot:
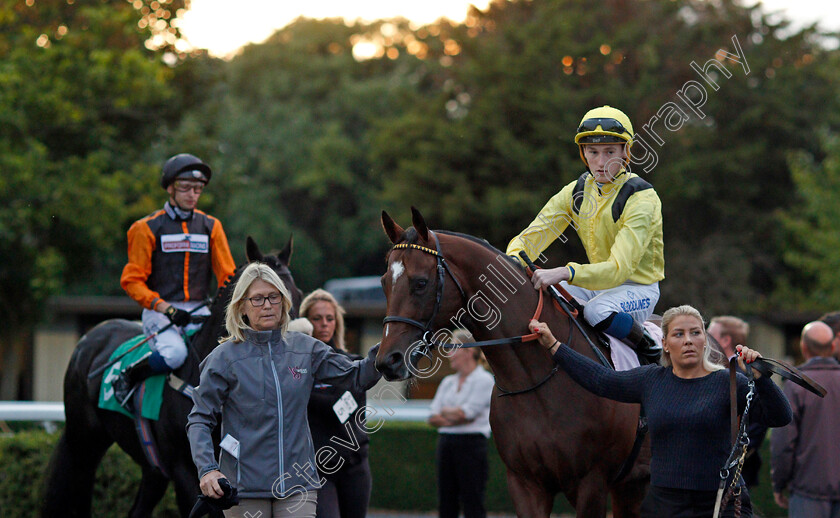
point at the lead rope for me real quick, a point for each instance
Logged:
(735, 460)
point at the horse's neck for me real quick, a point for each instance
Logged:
(516, 363)
(515, 307)
(204, 341)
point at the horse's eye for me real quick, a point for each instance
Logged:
(419, 285)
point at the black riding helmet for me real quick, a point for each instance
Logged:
(185, 166)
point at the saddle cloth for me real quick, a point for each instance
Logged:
(152, 388)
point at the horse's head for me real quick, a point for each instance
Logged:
(278, 262)
(422, 295)
(212, 330)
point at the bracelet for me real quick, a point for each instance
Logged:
(552, 345)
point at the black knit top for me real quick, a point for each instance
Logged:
(688, 418)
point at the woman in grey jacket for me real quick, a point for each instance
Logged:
(257, 384)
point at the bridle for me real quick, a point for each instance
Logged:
(442, 270)
(427, 340)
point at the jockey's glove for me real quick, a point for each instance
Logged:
(179, 317)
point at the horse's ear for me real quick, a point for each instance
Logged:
(252, 251)
(419, 223)
(285, 255)
(391, 228)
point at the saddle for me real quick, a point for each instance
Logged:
(645, 356)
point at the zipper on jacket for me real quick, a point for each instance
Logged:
(279, 419)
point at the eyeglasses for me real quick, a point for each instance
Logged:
(610, 125)
(187, 187)
(259, 300)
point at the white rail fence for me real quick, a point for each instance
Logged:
(53, 411)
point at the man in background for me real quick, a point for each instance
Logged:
(806, 452)
(833, 321)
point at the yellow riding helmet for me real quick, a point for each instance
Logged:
(604, 125)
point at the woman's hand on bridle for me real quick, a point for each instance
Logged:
(545, 337)
(747, 355)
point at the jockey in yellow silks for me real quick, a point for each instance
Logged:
(618, 217)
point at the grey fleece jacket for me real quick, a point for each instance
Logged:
(260, 389)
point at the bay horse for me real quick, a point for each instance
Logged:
(552, 435)
(89, 430)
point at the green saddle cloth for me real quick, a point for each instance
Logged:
(153, 397)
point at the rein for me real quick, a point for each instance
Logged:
(564, 303)
(768, 366)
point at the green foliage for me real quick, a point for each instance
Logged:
(80, 97)
(402, 461)
(486, 151)
(288, 129)
(24, 459)
(472, 123)
(811, 231)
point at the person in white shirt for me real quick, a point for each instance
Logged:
(461, 413)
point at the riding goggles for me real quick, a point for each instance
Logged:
(611, 125)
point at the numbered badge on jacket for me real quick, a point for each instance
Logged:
(345, 406)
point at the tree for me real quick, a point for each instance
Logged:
(78, 105)
(474, 124)
(485, 152)
(811, 236)
(287, 127)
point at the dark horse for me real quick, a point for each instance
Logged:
(554, 436)
(90, 431)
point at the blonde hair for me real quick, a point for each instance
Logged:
(234, 315)
(320, 295)
(709, 363)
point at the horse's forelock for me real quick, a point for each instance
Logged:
(409, 236)
(273, 261)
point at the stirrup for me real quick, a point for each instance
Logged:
(121, 395)
(126, 403)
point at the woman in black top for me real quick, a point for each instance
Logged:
(687, 405)
(346, 493)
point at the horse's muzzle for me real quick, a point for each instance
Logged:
(393, 366)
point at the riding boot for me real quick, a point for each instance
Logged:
(131, 377)
(645, 346)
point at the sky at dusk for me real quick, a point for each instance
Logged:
(223, 26)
